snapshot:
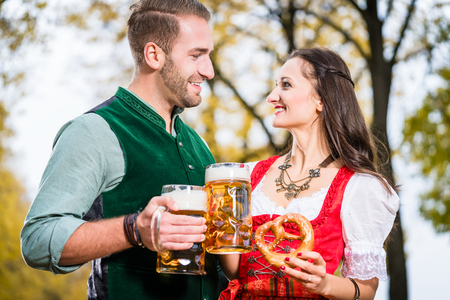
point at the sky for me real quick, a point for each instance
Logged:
(58, 91)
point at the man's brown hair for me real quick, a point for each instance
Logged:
(157, 21)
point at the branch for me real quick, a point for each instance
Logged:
(415, 53)
(263, 3)
(389, 9)
(356, 6)
(245, 104)
(263, 44)
(403, 30)
(271, 11)
(316, 36)
(339, 29)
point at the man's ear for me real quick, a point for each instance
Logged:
(154, 56)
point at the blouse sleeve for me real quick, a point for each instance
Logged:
(367, 214)
(251, 165)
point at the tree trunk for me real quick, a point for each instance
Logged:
(381, 73)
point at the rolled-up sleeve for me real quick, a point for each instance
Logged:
(72, 180)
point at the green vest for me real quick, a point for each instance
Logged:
(153, 158)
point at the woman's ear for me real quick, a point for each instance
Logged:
(154, 56)
(319, 105)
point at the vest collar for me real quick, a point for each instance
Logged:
(146, 110)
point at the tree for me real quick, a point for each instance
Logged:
(17, 280)
(427, 142)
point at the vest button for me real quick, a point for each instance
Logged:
(191, 167)
(181, 144)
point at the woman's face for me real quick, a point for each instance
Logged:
(296, 103)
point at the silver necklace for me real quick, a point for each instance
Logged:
(292, 188)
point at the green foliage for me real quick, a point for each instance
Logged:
(427, 142)
(17, 28)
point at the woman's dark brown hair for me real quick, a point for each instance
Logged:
(342, 121)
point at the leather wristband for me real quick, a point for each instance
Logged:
(131, 231)
(128, 229)
(357, 293)
(136, 231)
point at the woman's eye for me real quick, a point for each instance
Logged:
(286, 84)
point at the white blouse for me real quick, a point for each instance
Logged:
(367, 216)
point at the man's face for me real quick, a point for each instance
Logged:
(189, 64)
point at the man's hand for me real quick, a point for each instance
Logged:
(177, 232)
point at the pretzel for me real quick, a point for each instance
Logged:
(276, 226)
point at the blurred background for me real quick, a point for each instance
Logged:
(58, 59)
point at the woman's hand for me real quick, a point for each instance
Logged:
(310, 270)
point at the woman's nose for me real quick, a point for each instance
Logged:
(273, 96)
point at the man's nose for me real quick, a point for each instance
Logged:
(206, 69)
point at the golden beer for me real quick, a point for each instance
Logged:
(228, 215)
(192, 202)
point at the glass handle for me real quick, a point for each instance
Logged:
(156, 223)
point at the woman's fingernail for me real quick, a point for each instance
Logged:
(299, 254)
(287, 258)
(282, 267)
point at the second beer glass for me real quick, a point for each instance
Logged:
(192, 202)
(228, 208)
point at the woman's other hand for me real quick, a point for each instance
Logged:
(309, 268)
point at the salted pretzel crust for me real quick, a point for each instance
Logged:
(276, 226)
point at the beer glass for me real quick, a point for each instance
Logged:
(228, 214)
(192, 202)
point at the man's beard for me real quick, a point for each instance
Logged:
(178, 85)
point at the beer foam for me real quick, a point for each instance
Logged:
(189, 199)
(230, 171)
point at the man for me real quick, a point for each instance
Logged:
(108, 163)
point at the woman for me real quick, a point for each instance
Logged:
(328, 176)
